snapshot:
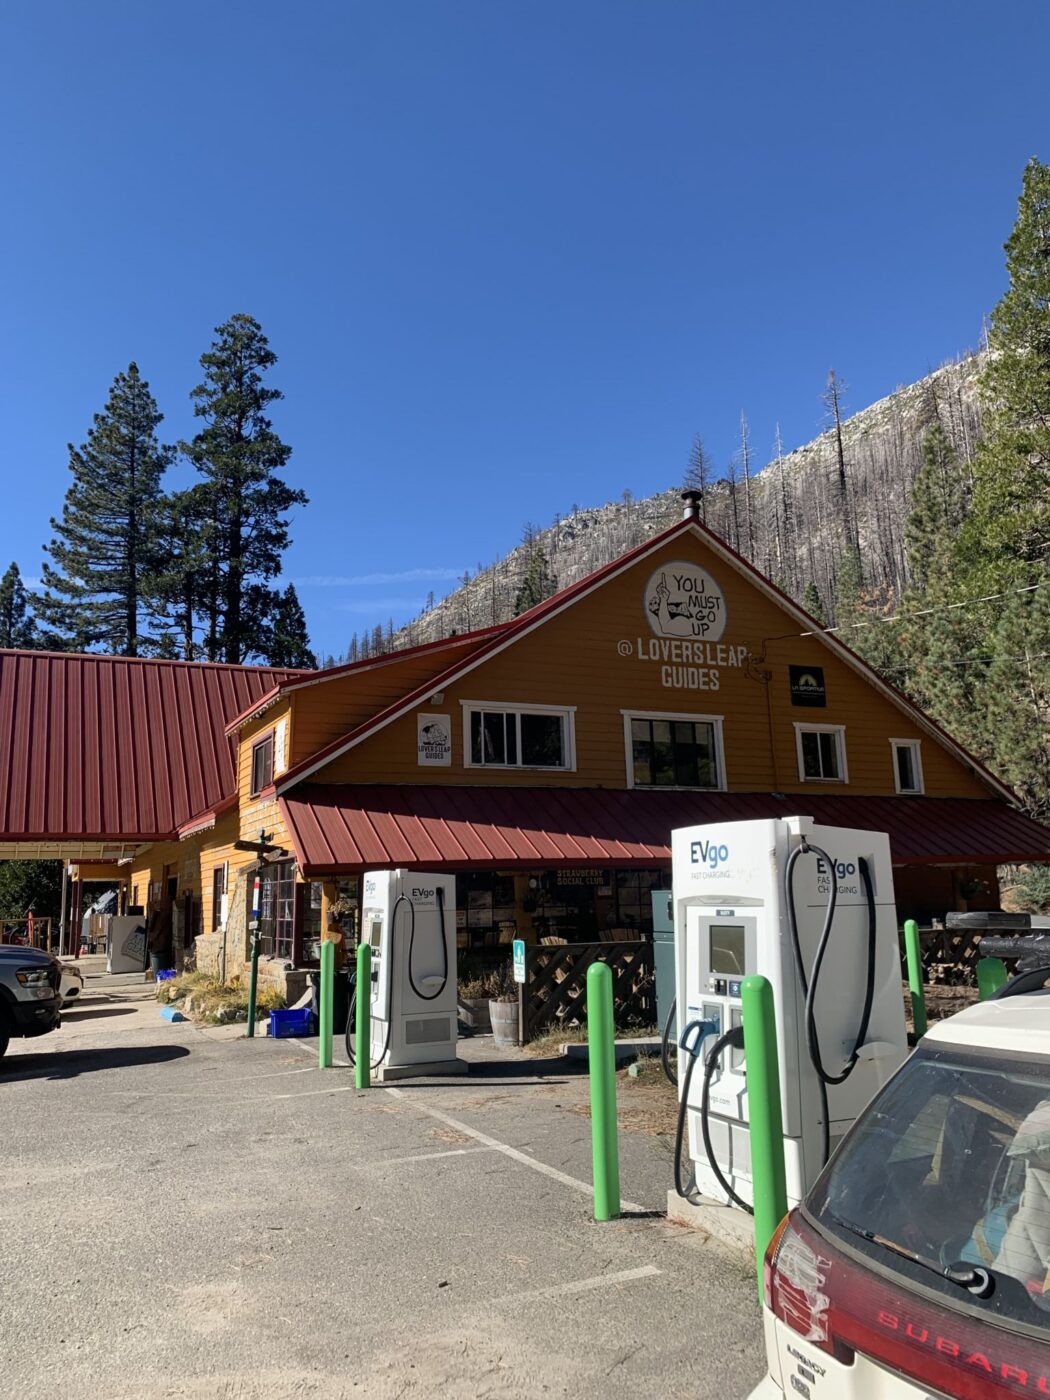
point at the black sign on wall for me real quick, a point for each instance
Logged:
(807, 686)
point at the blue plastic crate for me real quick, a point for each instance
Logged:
(291, 1022)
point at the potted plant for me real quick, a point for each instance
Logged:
(474, 995)
(503, 1007)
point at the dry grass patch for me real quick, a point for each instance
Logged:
(211, 1002)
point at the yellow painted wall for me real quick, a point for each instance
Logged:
(327, 711)
(588, 657)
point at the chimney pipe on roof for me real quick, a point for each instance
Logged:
(691, 505)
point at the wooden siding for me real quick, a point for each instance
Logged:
(574, 659)
(324, 711)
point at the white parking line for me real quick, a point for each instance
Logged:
(583, 1285)
(583, 1186)
(428, 1156)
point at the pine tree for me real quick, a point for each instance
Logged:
(1013, 696)
(939, 503)
(813, 604)
(537, 581)
(17, 628)
(850, 602)
(239, 455)
(184, 583)
(104, 548)
(289, 644)
(1009, 529)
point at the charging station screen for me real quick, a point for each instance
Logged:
(376, 935)
(727, 949)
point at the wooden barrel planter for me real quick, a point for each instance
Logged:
(504, 1016)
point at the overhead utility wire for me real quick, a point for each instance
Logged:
(907, 617)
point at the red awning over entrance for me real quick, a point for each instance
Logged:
(343, 829)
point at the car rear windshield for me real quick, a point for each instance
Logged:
(951, 1164)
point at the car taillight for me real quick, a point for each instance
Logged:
(842, 1308)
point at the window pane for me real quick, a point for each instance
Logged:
(829, 755)
(685, 766)
(495, 750)
(642, 762)
(905, 768)
(542, 740)
(663, 754)
(707, 769)
(476, 752)
(510, 729)
(810, 754)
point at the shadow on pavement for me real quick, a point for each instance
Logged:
(70, 1064)
(78, 1012)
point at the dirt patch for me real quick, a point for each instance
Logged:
(646, 1102)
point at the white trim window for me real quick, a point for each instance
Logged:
(907, 765)
(821, 753)
(673, 750)
(497, 735)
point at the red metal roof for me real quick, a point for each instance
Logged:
(116, 747)
(345, 828)
(456, 642)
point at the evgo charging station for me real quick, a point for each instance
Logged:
(812, 909)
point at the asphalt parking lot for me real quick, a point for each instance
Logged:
(188, 1213)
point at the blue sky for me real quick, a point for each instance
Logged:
(512, 254)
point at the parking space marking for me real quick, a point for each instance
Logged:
(583, 1285)
(512, 1152)
(429, 1156)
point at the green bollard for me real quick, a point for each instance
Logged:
(363, 1017)
(253, 981)
(327, 995)
(913, 951)
(601, 1059)
(765, 1123)
(991, 974)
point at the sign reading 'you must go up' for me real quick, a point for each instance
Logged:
(686, 612)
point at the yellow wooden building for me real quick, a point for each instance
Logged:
(545, 761)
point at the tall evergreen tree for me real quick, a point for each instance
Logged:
(239, 456)
(850, 602)
(814, 604)
(1009, 529)
(182, 590)
(538, 582)
(1014, 698)
(289, 642)
(104, 548)
(939, 504)
(17, 628)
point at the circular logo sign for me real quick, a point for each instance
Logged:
(683, 600)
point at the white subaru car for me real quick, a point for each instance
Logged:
(918, 1267)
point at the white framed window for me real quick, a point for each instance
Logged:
(907, 765)
(504, 735)
(821, 753)
(673, 750)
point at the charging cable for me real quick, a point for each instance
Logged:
(810, 984)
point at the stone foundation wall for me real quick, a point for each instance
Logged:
(235, 940)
